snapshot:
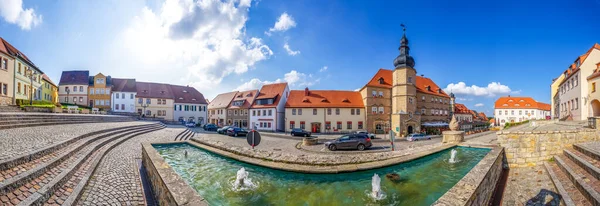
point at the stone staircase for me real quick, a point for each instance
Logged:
(10, 108)
(185, 135)
(16, 120)
(58, 173)
(576, 175)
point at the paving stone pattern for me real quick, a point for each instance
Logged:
(525, 183)
(116, 181)
(20, 141)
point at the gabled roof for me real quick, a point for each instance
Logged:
(153, 90)
(324, 99)
(46, 78)
(520, 103)
(383, 79)
(461, 109)
(573, 68)
(107, 78)
(269, 91)
(221, 101)
(187, 94)
(123, 85)
(74, 78)
(246, 96)
(15, 52)
(423, 82)
(482, 116)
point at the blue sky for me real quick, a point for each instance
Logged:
(493, 48)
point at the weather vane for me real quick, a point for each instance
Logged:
(403, 27)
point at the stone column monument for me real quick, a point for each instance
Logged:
(453, 136)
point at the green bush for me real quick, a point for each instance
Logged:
(34, 102)
(38, 106)
(512, 124)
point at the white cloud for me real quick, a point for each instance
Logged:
(12, 11)
(204, 41)
(284, 23)
(479, 105)
(290, 52)
(324, 68)
(492, 89)
(294, 78)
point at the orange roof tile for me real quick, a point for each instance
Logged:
(520, 103)
(324, 99)
(573, 68)
(386, 79)
(482, 115)
(383, 78)
(270, 91)
(246, 96)
(221, 101)
(461, 109)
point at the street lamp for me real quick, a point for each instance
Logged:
(68, 91)
(141, 101)
(31, 74)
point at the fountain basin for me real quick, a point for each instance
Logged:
(423, 180)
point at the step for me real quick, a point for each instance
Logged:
(12, 126)
(588, 163)
(37, 166)
(181, 135)
(12, 162)
(22, 179)
(57, 174)
(587, 151)
(77, 182)
(585, 183)
(571, 196)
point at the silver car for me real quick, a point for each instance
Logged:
(417, 137)
(370, 135)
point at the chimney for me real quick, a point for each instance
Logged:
(422, 75)
(306, 92)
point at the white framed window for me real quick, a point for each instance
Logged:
(374, 93)
(380, 94)
(373, 110)
(380, 110)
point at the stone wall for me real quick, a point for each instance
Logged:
(527, 149)
(5, 100)
(168, 188)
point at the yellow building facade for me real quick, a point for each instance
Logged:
(99, 91)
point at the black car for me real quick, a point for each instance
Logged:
(210, 127)
(236, 131)
(223, 130)
(300, 132)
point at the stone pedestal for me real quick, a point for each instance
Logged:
(453, 137)
(309, 141)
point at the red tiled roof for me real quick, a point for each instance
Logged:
(15, 52)
(153, 90)
(324, 99)
(123, 85)
(246, 96)
(482, 115)
(421, 83)
(187, 94)
(270, 91)
(222, 100)
(520, 103)
(573, 68)
(74, 78)
(384, 74)
(45, 77)
(461, 109)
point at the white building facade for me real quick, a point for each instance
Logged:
(190, 105)
(518, 109)
(123, 102)
(268, 110)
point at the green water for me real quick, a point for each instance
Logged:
(422, 181)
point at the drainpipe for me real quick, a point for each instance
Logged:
(325, 119)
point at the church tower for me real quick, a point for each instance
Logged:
(405, 117)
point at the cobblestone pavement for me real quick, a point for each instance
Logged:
(489, 138)
(525, 183)
(116, 181)
(20, 141)
(550, 126)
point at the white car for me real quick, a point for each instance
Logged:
(370, 135)
(417, 137)
(190, 124)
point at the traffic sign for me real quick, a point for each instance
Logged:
(253, 138)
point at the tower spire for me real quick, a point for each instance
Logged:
(404, 59)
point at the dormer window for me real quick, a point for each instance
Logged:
(345, 100)
(324, 100)
(184, 91)
(521, 100)
(381, 80)
(516, 105)
(510, 100)
(428, 88)
(145, 91)
(505, 105)
(249, 95)
(193, 99)
(305, 100)
(181, 98)
(439, 90)
(162, 92)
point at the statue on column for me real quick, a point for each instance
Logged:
(453, 124)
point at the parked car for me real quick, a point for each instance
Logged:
(236, 131)
(210, 127)
(417, 137)
(223, 130)
(300, 132)
(350, 141)
(190, 124)
(370, 135)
